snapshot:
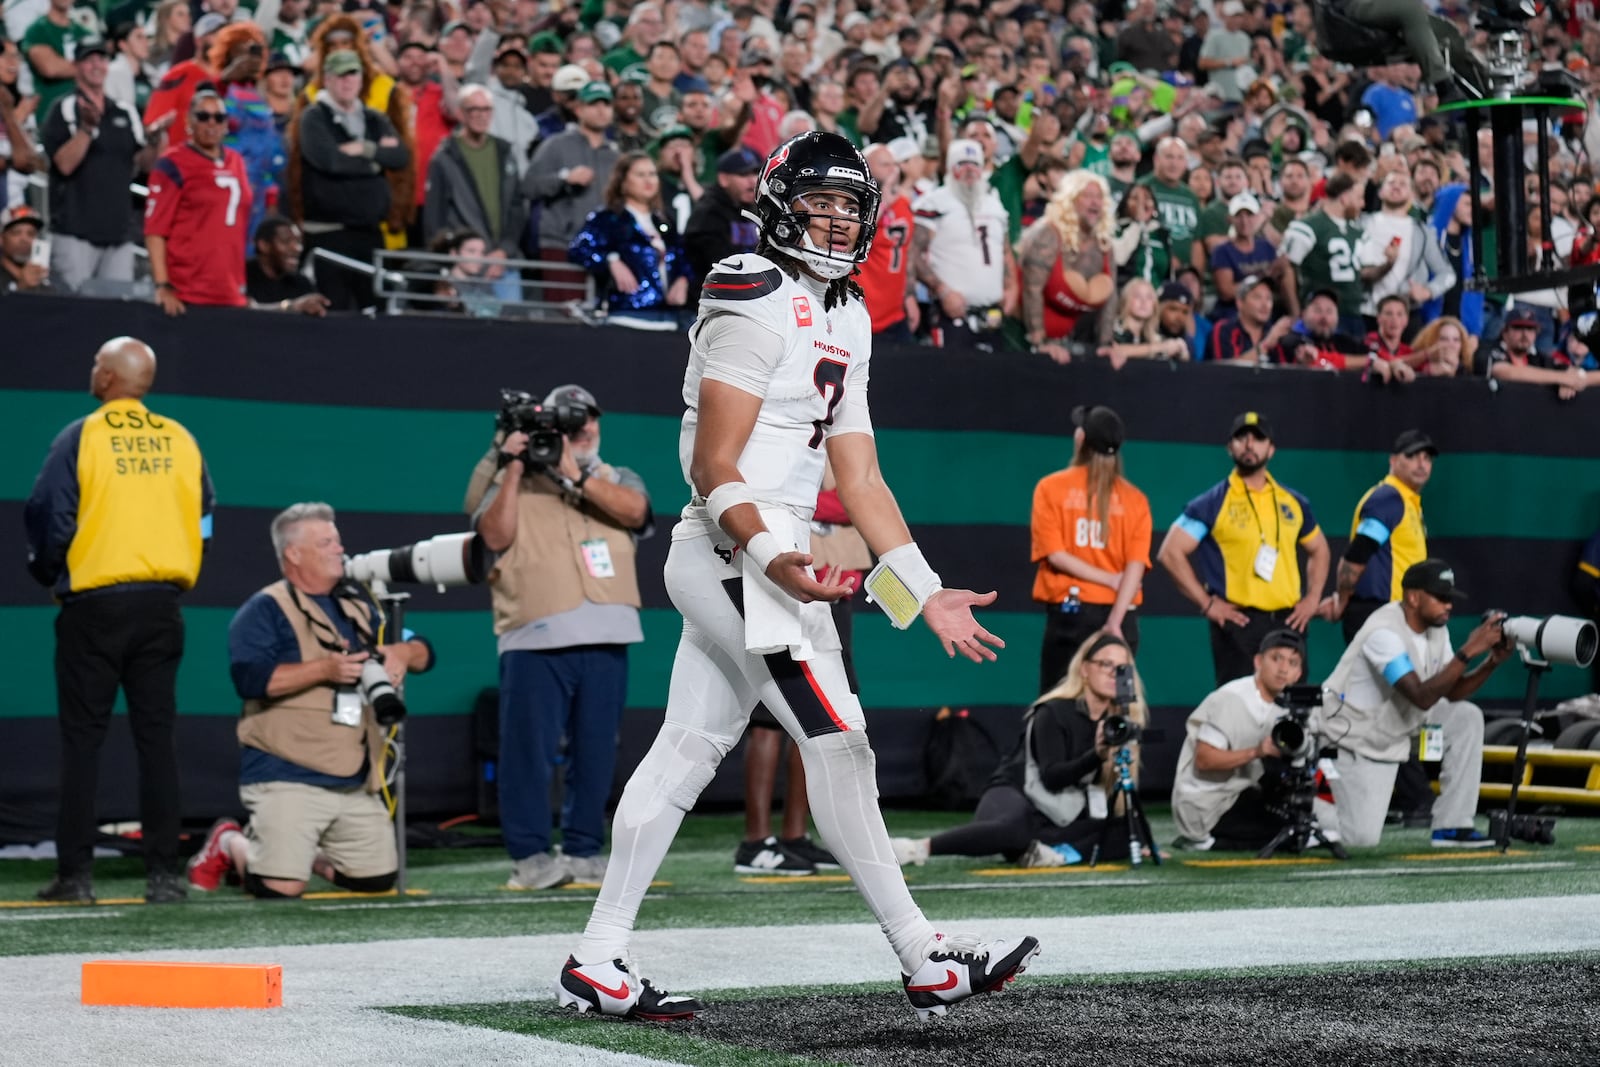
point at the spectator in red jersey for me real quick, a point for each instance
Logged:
(1389, 357)
(884, 276)
(434, 93)
(197, 216)
(243, 58)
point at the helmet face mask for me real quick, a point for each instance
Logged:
(810, 165)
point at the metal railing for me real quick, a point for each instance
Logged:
(536, 290)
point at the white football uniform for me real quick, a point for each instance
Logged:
(766, 334)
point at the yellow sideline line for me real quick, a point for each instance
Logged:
(69, 903)
(1468, 854)
(1023, 872)
(1587, 848)
(793, 879)
(1275, 861)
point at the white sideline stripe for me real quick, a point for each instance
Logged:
(326, 987)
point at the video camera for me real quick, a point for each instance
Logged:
(1554, 639)
(546, 426)
(1292, 732)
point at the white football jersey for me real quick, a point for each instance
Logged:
(968, 248)
(767, 334)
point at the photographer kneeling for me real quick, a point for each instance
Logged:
(1230, 771)
(1400, 676)
(302, 653)
(1047, 803)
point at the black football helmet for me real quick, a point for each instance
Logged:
(807, 163)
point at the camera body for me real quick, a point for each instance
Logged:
(546, 426)
(1292, 732)
(1534, 829)
(376, 690)
(1119, 728)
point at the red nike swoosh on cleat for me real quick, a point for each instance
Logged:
(619, 993)
(948, 983)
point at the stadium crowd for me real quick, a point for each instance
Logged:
(1182, 180)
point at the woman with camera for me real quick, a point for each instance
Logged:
(1048, 801)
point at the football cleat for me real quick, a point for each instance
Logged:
(208, 867)
(611, 988)
(962, 966)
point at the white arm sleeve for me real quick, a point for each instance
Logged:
(740, 352)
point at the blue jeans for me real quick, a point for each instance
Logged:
(573, 692)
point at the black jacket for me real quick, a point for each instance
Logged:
(1063, 746)
(344, 189)
(717, 229)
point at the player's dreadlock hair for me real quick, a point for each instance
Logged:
(839, 290)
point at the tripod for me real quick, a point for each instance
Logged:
(1300, 827)
(1136, 825)
(1530, 704)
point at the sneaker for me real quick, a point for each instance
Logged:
(539, 871)
(962, 966)
(612, 988)
(590, 870)
(910, 851)
(209, 866)
(808, 851)
(165, 887)
(768, 857)
(1040, 854)
(1461, 837)
(1189, 844)
(69, 889)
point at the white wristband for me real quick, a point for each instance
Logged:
(763, 549)
(908, 564)
(725, 496)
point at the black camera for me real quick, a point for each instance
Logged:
(547, 426)
(1120, 730)
(1534, 829)
(1292, 733)
(376, 690)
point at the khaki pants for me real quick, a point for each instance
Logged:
(290, 822)
(1362, 790)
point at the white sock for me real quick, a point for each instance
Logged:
(663, 788)
(842, 782)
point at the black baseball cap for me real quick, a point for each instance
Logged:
(739, 161)
(1410, 442)
(91, 46)
(1434, 577)
(1518, 316)
(1177, 293)
(1252, 421)
(575, 395)
(1331, 294)
(1102, 428)
(1283, 637)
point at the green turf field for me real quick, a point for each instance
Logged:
(1119, 970)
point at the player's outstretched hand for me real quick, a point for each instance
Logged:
(787, 571)
(948, 614)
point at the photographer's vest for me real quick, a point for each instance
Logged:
(543, 572)
(1382, 732)
(299, 727)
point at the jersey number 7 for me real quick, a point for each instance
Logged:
(829, 376)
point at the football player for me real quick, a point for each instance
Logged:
(777, 373)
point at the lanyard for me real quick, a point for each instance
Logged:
(1277, 529)
(333, 642)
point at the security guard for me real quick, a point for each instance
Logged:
(1387, 536)
(1246, 529)
(117, 523)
